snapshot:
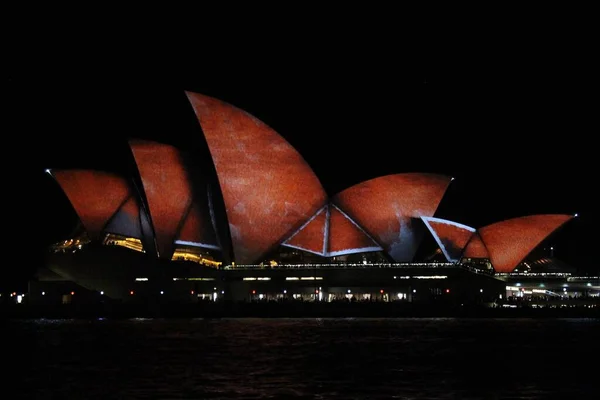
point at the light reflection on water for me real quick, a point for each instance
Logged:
(438, 358)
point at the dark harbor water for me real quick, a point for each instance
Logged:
(301, 359)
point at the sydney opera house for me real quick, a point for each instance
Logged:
(255, 224)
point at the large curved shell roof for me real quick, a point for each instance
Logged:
(510, 241)
(389, 209)
(268, 188)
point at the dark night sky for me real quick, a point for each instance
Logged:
(515, 125)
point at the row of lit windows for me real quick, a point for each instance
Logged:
(300, 278)
(344, 265)
(518, 286)
(179, 279)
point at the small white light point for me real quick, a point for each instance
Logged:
(576, 215)
(451, 179)
(47, 170)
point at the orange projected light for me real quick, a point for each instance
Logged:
(450, 236)
(510, 241)
(268, 188)
(95, 196)
(475, 248)
(386, 208)
(169, 193)
(311, 236)
(346, 237)
(126, 221)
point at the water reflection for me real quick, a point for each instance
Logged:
(304, 358)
